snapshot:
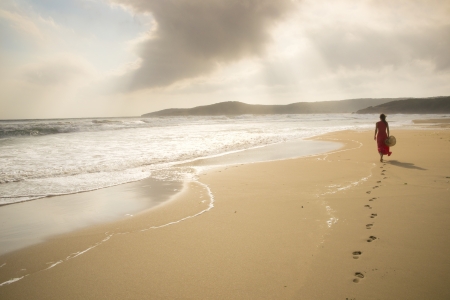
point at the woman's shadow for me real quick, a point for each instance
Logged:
(404, 165)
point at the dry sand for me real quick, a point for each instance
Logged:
(334, 226)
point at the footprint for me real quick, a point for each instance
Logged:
(379, 181)
(369, 226)
(373, 215)
(374, 198)
(356, 254)
(368, 192)
(375, 187)
(371, 239)
(385, 178)
(368, 206)
(359, 276)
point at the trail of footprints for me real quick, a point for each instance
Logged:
(357, 254)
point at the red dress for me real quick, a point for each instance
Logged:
(381, 137)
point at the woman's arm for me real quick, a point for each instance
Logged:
(376, 129)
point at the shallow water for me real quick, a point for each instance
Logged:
(42, 158)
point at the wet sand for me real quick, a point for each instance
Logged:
(432, 121)
(441, 123)
(332, 226)
(27, 223)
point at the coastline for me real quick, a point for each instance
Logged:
(282, 229)
(22, 226)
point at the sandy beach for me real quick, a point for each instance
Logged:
(340, 225)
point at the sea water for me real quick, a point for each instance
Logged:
(41, 158)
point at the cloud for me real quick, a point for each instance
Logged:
(21, 23)
(344, 46)
(193, 37)
(384, 34)
(58, 71)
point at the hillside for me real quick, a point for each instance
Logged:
(436, 105)
(239, 108)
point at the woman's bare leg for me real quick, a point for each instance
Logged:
(381, 157)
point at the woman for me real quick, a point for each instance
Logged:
(382, 128)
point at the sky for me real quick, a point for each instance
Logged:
(111, 58)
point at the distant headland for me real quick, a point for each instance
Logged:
(435, 105)
(432, 105)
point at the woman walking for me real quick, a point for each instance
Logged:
(382, 128)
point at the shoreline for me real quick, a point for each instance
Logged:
(262, 239)
(62, 214)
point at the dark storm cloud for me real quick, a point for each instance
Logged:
(345, 46)
(194, 36)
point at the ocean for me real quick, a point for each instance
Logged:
(155, 156)
(41, 158)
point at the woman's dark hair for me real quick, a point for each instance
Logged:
(383, 118)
